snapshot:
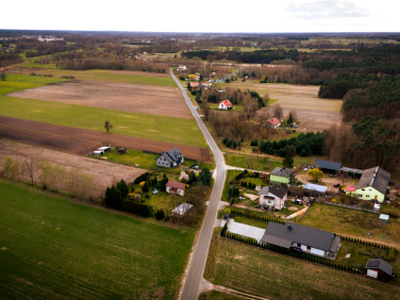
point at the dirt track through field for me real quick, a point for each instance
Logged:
(83, 141)
(155, 100)
(104, 173)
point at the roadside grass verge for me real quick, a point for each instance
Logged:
(98, 75)
(159, 128)
(353, 223)
(276, 276)
(54, 248)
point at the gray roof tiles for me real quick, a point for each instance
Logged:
(275, 189)
(283, 172)
(284, 235)
(380, 264)
(376, 178)
(327, 165)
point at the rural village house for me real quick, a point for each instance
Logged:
(206, 84)
(282, 176)
(194, 84)
(170, 159)
(273, 196)
(380, 269)
(274, 122)
(327, 166)
(373, 184)
(226, 104)
(182, 209)
(175, 188)
(307, 239)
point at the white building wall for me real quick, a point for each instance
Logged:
(317, 252)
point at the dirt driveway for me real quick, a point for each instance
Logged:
(147, 99)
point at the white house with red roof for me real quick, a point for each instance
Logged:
(226, 104)
(175, 188)
(194, 84)
(274, 122)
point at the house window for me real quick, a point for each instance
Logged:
(298, 245)
(359, 195)
(363, 190)
(269, 202)
(367, 196)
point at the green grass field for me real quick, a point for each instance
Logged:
(54, 248)
(100, 75)
(253, 162)
(159, 128)
(276, 276)
(353, 223)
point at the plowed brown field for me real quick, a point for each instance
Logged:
(83, 141)
(155, 100)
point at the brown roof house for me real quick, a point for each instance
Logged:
(302, 238)
(175, 188)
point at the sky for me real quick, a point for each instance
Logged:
(261, 16)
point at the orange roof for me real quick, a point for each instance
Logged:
(226, 102)
(274, 121)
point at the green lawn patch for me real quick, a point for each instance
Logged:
(159, 128)
(15, 83)
(105, 75)
(276, 276)
(251, 161)
(54, 248)
(353, 223)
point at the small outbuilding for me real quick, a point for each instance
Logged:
(175, 188)
(383, 219)
(104, 149)
(321, 189)
(182, 209)
(282, 176)
(327, 166)
(379, 269)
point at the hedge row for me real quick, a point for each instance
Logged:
(254, 215)
(367, 243)
(305, 256)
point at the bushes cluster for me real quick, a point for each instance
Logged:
(231, 143)
(236, 211)
(305, 144)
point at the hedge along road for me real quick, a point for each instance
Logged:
(197, 263)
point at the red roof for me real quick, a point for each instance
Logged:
(274, 121)
(226, 102)
(175, 185)
(194, 84)
(351, 189)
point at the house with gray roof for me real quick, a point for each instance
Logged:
(273, 196)
(379, 269)
(282, 176)
(170, 158)
(373, 184)
(327, 166)
(307, 239)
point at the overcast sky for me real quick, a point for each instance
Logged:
(267, 16)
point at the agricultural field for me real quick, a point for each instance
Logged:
(275, 276)
(253, 162)
(353, 223)
(156, 100)
(102, 172)
(62, 125)
(315, 114)
(54, 248)
(145, 78)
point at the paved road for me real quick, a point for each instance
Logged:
(191, 288)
